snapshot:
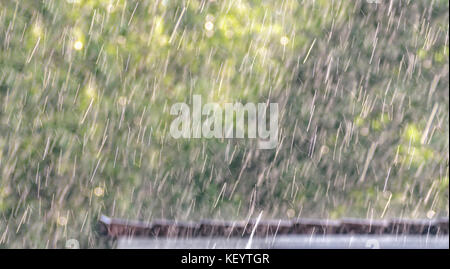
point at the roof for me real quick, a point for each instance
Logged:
(116, 228)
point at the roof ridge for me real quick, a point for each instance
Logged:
(114, 228)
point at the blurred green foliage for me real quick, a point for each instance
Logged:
(86, 87)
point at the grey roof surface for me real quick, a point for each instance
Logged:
(291, 242)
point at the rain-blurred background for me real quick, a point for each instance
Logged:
(86, 88)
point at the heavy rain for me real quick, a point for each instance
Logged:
(87, 86)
